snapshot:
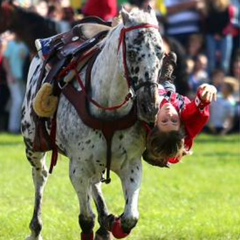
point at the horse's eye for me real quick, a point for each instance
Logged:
(132, 55)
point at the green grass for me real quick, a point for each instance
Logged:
(196, 200)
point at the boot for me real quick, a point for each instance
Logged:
(168, 66)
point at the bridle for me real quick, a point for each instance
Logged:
(132, 88)
(122, 41)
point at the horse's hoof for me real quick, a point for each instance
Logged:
(34, 238)
(103, 234)
(117, 230)
(89, 236)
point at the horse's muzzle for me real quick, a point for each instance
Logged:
(148, 104)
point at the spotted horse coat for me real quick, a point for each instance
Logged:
(128, 63)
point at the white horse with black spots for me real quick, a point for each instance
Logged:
(124, 94)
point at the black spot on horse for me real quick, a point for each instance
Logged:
(121, 137)
(134, 79)
(147, 76)
(136, 70)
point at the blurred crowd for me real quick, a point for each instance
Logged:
(205, 34)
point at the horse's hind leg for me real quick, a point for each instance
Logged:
(102, 233)
(39, 174)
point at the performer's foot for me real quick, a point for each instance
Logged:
(169, 64)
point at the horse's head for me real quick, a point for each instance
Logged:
(142, 59)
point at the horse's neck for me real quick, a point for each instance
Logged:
(109, 86)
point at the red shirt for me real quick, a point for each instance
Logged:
(193, 118)
(105, 9)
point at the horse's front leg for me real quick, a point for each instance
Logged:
(39, 174)
(81, 182)
(102, 233)
(131, 179)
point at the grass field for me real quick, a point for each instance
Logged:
(196, 200)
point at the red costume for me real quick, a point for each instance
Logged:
(194, 115)
(105, 9)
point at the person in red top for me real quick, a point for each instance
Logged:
(179, 120)
(105, 9)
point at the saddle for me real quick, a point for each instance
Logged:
(61, 54)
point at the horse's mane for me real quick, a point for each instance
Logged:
(30, 25)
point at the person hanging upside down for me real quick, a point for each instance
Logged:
(179, 120)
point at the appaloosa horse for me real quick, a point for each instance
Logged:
(117, 95)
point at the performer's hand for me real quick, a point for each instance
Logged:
(205, 95)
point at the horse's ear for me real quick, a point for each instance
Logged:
(148, 9)
(125, 15)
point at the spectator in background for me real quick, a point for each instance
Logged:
(14, 60)
(236, 75)
(181, 69)
(236, 65)
(57, 14)
(218, 41)
(217, 78)
(77, 5)
(234, 30)
(199, 74)
(195, 46)
(42, 8)
(183, 19)
(223, 110)
(105, 9)
(4, 92)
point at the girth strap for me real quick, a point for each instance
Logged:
(108, 127)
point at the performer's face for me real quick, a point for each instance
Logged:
(168, 118)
